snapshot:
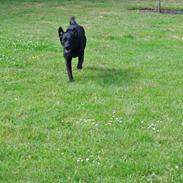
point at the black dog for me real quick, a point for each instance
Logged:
(74, 43)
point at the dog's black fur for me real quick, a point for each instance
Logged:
(74, 43)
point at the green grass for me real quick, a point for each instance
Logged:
(122, 118)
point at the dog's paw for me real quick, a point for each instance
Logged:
(79, 67)
(71, 80)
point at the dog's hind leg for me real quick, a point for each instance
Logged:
(69, 68)
(82, 48)
(80, 61)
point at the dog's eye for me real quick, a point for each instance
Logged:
(65, 39)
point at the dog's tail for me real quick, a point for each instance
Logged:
(72, 21)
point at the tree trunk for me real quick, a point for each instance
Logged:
(159, 6)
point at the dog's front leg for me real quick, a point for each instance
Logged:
(80, 61)
(68, 63)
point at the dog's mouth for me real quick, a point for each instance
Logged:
(67, 50)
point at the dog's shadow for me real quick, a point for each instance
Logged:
(111, 76)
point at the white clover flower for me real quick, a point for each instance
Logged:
(87, 159)
(151, 125)
(176, 167)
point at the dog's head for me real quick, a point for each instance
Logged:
(68, 39)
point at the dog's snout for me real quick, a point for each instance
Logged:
(67, 47)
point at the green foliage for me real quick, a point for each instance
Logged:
(120, 121)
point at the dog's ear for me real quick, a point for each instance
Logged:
(60, 32)
(75, 33)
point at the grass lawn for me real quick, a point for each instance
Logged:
(122, 118)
